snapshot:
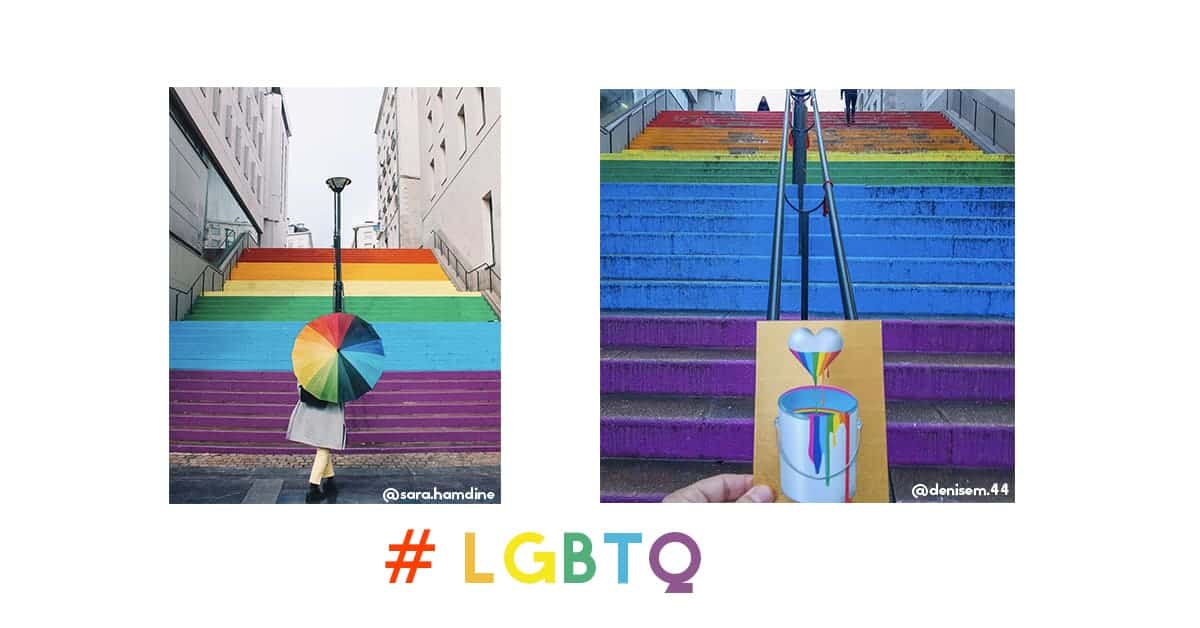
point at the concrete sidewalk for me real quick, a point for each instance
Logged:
(356, 485)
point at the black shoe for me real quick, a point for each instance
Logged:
(314, 494)
(331, 490)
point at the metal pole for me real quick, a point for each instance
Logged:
(337, 251)
(799, 176)
(775, 284)
(839, 254)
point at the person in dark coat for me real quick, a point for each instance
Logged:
(762, 104)
(850, 97)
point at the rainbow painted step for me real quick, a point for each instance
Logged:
(687, 214)
(774, 119)
(228, 411)
(374, 309)
(231, 386)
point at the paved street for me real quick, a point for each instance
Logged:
(356, 485)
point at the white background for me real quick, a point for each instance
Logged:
(1106, 269)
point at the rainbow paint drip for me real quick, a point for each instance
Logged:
(823, 428)
(819, 422)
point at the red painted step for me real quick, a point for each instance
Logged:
(774, 119)
(349, 256)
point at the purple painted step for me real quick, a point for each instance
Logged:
(287, 376)
(931, 433)
(280, 422)
(290, 386)
(968, 446)
(352, 410)
(304, 449)
(352, 438)
(224, 396)
(918, 336)
(906, 376)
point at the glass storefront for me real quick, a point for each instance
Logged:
(205, 211)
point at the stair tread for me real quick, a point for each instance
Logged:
(704, 354)
(668, 407)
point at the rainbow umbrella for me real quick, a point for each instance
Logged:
(337, 357)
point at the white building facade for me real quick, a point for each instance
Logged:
(438, 155)
(366, 234)
(228, 175)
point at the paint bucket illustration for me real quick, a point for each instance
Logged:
(819, 435)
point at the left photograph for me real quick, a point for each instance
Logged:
(334, 295)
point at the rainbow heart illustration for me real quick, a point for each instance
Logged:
(815, 351)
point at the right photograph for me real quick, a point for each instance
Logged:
(807, 295)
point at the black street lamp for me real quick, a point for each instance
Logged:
(337, 184)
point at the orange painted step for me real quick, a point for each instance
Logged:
(360, 256)
(351, 271)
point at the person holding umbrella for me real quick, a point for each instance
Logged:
(336, 358)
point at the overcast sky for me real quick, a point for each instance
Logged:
(747, 99)
(333, 134)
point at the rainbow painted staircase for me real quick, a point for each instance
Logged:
(686, 226)
(231, 383)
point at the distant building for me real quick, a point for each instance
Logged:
(987, 116)
(228, 176)
(438, 155)
(299, 237)
(365, 235)
(624, 113)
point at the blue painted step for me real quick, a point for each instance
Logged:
(267, 346)
(757, 267)
(819, 225)
(757, 243)
(846, 207)
(745, 296)
(812, 193)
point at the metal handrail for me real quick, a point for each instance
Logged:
(839, 251)
(775, 284)
(220, 269)
(441, 243)
(637, 108)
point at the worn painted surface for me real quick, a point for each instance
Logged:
(232, 388)
(687, 214)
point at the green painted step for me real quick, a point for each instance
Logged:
(373, 309)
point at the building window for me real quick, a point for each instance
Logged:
(237, 146)
(260, 145)
(240, 97)
(462, 128)
(432, 173)
(229, 124)
(482, 109)
(216, 104)
(444, 168)
(489, 217)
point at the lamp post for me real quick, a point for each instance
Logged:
(337, 184)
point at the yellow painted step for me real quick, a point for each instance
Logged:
(299, 288)
(773, 155)
(350, 272)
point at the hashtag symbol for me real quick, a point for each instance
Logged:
(402, 552)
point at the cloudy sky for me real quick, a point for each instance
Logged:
(333, 134)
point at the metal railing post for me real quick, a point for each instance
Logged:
(799, 177)
(839, 253)
(775, 284)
